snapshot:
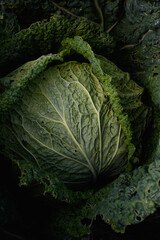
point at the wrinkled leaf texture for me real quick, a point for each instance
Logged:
(65, 123)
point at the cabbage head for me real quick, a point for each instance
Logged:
(73, 120)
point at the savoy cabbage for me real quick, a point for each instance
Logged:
(72, 118)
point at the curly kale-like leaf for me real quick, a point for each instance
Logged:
(17, 81)
(137, 35)
(46, 36)
(139, 17)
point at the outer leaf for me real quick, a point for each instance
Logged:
(130, 199)
(46, 36)
(130, 98)
(137, 35)
(17, 81)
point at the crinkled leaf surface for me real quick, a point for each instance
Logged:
(66, 125)
(46, 36)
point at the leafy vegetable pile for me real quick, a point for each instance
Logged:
(72, 118)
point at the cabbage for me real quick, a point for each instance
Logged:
(71, 121)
